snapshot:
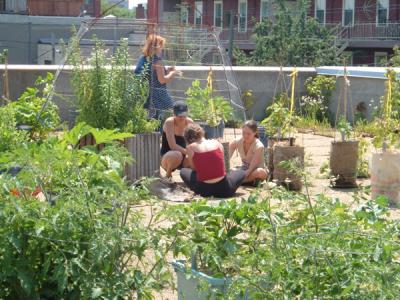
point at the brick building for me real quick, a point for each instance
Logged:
(70, 8)
(365, 29)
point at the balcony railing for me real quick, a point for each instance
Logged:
(239, 37)
(366, 31)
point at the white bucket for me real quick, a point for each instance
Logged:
(385, 176)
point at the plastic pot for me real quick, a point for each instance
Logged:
(385, 176)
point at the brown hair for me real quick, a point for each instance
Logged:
(193, 132)
(153, 41)
(251, 124)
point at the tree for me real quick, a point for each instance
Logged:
(115, 10)
(293, 39)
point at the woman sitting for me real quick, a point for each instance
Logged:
(207, 176)
(173, 145)
(251, 151)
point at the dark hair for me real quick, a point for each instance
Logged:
(193, 132)
(251, 124)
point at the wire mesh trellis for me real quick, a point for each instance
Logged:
(194, 49)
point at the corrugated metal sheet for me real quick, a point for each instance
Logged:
(363, 72)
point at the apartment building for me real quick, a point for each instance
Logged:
(367, 30)
(69, 8)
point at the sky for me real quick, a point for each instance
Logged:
(133, 3)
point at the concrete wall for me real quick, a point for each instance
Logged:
(21, 34)
(262, 81)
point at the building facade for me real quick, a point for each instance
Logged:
(65, 8)
(367, 30)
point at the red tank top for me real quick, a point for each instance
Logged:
(209, 165)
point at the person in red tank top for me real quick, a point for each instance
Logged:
(207, 175)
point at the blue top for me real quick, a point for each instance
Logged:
(160, 100)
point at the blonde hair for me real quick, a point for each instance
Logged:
(153, 41)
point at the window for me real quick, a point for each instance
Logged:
(320, 9)
(198, 13)
(184, 15)
(218, 13)
(227, 19)
(242, 16)
(381, 59)
(263, 10)
(348, 12)
(382, 12)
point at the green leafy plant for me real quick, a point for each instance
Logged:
(293, 38)
(279, 119)
(292, 247)
(10, 137)
(68, 226)
(205, 106)
(320, 85)
(34, 110)
(362, 164)
(344, 127)
(248, 100)
(109, 94)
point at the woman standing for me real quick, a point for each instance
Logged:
(251, 151)
(173, 145)
(159, 99)
(207, 176)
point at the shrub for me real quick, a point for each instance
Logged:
(68, 229)
(10, 137)
(34, 109)
(109, 94)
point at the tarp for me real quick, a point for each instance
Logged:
(362, 72)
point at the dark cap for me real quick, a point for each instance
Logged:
(180, 109)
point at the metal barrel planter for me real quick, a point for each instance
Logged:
(89, 140)
(343, 164)
(385, 176)
(145, 151)
(283, 176)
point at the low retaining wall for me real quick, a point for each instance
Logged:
(262, 81)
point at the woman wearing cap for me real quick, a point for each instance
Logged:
(173, 145)
(159, 76)
(206, 174)
(251, 151)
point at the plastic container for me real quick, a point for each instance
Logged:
(191, 280)
(385, 176)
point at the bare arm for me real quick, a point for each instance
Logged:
(161, 76)
(170, 133)
(190, 154)
(256, 161)
(232, 148)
